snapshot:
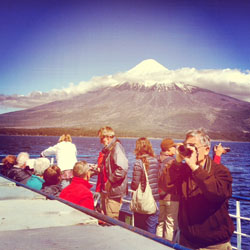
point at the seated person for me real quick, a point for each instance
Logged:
(40, 165)
(78, 191)
(8, 162)
(23, 174)
(52, 178)
(35, 182)
(20, 171)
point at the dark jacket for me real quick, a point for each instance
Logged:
(203, 213)
(139, 176)
(54, 190)
(116, 166)
(4, 169)
(20, 174)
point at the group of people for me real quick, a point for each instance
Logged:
(190, 189)
(35, 173)
(67, 180)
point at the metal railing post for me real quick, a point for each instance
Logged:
(133, 220)
(51, 161)
(238, 221)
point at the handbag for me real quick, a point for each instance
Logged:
(143, 202)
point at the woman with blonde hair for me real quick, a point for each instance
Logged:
(66, 153)
(65, 137)
(145, 156)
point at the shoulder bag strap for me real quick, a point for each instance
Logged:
(145, 172)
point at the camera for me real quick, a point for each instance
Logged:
(227, 149)
(185, 151)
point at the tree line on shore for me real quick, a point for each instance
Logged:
(120, 133)
(83, 132)
(48, 131)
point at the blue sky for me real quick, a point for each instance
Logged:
(47, 44)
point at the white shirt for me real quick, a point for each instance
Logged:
(65, 154)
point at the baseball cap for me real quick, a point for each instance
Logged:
(167, 143)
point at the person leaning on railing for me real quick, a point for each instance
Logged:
(65, 152)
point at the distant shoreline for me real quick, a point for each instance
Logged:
(82, 132)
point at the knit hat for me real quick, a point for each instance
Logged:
(166, 144)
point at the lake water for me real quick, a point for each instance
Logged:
(237, 161)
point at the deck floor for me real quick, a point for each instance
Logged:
(30, 222)
(91, 237)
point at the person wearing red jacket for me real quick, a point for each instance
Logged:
(101, 181)
(78, 191)
(218, 151)
(102, 176)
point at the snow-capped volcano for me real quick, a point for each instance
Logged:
(159, 87)
(148, 73)
(147, 67)
(143, 101)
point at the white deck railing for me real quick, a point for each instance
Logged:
(239, 218)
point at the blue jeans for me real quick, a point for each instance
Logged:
(147, 222)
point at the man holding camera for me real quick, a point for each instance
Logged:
(204, 188)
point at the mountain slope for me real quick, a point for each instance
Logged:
(155, 110)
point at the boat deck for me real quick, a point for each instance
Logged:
(92, 237)
(29, 221)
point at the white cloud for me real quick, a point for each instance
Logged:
(231, 82)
